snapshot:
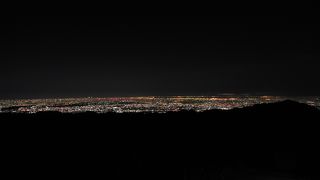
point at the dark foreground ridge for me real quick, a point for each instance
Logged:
(267, 141)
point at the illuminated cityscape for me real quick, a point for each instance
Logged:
(148, 104)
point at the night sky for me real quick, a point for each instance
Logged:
(82, 56)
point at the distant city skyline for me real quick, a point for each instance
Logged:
(145, 104)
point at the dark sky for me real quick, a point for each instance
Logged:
(72, 56)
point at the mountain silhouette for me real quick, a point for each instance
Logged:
(287, 106)
(277, 141)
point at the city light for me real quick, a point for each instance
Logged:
(143, 104)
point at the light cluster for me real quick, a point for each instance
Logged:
(143, 104)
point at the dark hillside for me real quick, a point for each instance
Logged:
(270, 140)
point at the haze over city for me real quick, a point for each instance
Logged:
(108, 56)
